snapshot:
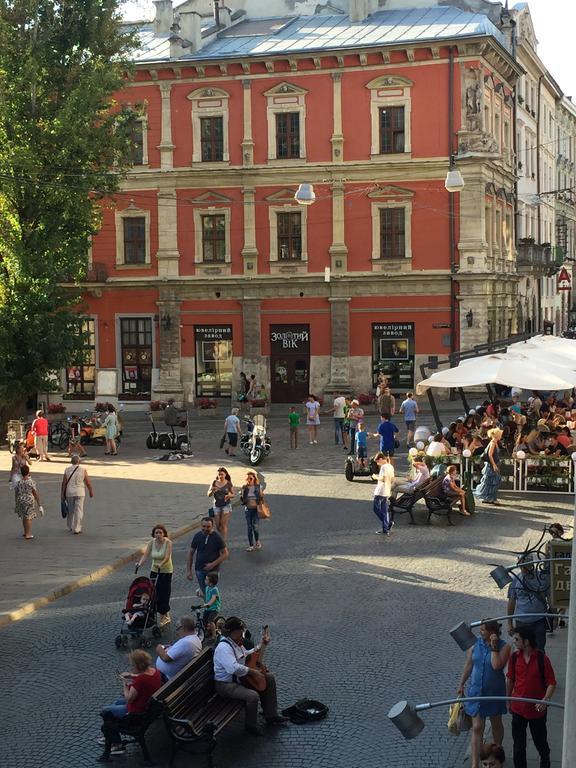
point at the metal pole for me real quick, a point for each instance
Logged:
(569, 734)
(433, 704)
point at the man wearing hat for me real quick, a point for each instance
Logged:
(527, 595)
(230, 669)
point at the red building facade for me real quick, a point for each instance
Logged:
(206, 265)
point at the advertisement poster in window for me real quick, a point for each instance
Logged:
(214, 358)
(393, 354)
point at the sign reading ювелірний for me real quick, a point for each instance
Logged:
(560, 573)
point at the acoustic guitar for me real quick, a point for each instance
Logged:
(255, 661)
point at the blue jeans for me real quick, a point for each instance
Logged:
(252, 524)
(338, 430)
(201, 576)
(352, 436)
(118, 709)
(381, 511)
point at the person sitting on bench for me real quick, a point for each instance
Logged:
(233, 678)
(403, 486)
(452, 491)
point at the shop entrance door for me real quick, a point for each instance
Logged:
(289, 363)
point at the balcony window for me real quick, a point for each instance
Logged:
(392, 233)
(289, 236)
(287, 135)
(391, 130)
(212, 139)
(214, 238)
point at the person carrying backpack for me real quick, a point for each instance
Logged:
(530, 675)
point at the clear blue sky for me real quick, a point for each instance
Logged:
(554, 22)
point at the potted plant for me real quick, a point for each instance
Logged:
(55, 411)
(206, 406)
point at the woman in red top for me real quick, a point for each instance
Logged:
(138, 687)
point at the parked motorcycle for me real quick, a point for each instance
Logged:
(93, 431)
(255, 443)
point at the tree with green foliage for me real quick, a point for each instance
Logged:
(64, 145)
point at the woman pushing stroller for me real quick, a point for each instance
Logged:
(159, 549)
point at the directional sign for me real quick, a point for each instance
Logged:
(560, 573)
(564, 280)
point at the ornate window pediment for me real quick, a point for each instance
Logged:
(389, 81)
(285, 89)
(211, 197)
(390, 192)
(282, 196)
(207, 93)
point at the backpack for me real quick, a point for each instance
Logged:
(540, 656)
(306, 711)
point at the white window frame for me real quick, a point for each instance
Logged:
(209, 102)
(144, 123)
(388, 91)
(211, 210)
(284, 98)
(376, 207)
(132, 212)
(273, 210)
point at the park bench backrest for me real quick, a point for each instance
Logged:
(434, 489)
(194, 682)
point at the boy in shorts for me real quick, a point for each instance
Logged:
(294, 421)
(361, 444)
(212, 603)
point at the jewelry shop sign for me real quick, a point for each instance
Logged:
(560, 573)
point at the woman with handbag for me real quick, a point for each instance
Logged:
(223, 492)
(484, 666)
(159, 549)
(27, 501)
(251, 496)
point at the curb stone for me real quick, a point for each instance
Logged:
(100, 573)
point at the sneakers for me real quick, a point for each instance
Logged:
(258, 545)
(118, 749)
(164, 619)
(249, 549)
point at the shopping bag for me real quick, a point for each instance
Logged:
(263, 510)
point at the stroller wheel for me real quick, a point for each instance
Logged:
(149, 643)
(118, 641)
(125, 641)
(157, 632)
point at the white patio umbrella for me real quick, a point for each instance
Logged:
(542, 355)
(514, 370)
(551, 344)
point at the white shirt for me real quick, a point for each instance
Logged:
(339, 403)
(181, 653)
(436, 449)
(385, 478)
(229, 661)
(75, 479)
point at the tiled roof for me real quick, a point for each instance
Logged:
(300, 34)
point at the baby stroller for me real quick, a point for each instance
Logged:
(139, 615)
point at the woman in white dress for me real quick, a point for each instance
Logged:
(312, 418)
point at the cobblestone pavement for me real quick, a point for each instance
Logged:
(358, 621)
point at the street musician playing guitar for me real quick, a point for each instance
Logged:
(237, 676)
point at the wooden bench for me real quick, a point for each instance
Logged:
(193, 712)
(134, 726)
(405, 503)
(437, 503)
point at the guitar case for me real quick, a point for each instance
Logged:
(306, 711)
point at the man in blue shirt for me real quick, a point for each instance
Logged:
(410, 410)
(361, 444)
(386, 432)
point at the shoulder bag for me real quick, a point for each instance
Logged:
(64, 501)
(263, 509)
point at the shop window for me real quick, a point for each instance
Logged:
(212, 138)
(289, 236)
(286, 115)
(392, 233)
(132, 237)
(214, 361)
(390, 111)
(210, 121)
(80, 378)
(391, 130)
(287, 135)
(136, 350)
(393, 354)
(214, 238)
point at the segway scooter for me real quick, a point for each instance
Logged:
(157, 439)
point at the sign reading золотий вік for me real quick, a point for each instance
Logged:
(560, 573)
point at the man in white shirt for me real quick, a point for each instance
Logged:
(382, 492)
(172, 658)
(338, 411)
(229, 667)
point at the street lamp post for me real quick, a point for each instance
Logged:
(501, 574)
(463, 635)
(405, 716)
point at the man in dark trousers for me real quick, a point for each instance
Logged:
(529, 675)
(210, 550)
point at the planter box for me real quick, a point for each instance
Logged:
(204, 412)
(264, 410)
